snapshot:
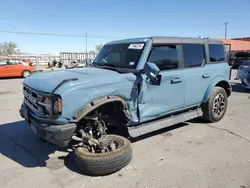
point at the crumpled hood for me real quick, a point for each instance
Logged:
(47, 81)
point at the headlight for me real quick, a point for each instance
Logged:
(47, 106)
(57, 108)
(52, 105)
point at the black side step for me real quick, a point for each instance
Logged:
(163, 123)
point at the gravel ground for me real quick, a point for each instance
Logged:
(192, 154)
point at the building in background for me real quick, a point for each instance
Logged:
(237, 44)
(243, 39)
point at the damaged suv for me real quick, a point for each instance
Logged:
(133, 87)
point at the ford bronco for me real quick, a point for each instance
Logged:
(133, 87)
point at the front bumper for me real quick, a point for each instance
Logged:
(59, 135)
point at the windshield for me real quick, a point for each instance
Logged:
(125, 55)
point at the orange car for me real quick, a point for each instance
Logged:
(15, 67)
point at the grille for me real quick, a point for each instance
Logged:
(33, 100)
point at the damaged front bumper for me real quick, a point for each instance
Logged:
(59, 135)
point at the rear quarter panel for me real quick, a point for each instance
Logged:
(26, 66)
(220, 72)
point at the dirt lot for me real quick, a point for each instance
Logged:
(192, 154)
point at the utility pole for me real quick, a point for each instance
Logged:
(86, 44)
(225, 29)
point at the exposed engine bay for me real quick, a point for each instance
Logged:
(92, 129)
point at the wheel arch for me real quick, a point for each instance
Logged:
(24, 71)
(217, 83)
(225, 85)
(98, 102)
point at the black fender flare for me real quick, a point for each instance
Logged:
(95, 103)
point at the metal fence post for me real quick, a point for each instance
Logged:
(36, 63)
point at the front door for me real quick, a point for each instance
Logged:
(14, 67)
(3, 68)
(158, 100)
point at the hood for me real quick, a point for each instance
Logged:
(47, 81)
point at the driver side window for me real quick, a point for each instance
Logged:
(165, 57)
(3, 62)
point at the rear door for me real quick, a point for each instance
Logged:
(3, 68)
(196, 74)
(203, 63)
(21, 65)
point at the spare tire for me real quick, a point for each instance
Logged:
(98, 164)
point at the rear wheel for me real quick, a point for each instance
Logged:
(215, 108)
(25, 73)
(111, 161)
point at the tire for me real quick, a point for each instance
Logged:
(25, 73)
(208, 108)
(98, 164)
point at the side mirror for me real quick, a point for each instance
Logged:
(152, 72)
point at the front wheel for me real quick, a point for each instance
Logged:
(215, 108)
(98, 164)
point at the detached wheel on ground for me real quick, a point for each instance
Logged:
(215, 108)
(25, 73)
(98, 164)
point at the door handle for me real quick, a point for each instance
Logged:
(176, 80)
(205, 76)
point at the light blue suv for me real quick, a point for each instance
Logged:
(133, 87)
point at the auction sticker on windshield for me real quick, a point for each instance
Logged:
(137, 46)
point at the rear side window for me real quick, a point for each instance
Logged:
(193, 54)
(216, 53)
(165, 57)
(11, 62)
(19, 61)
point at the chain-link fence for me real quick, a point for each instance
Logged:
(41, 61)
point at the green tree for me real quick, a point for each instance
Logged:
(98, 48)
(8, 48)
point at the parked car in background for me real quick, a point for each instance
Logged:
(231, 57)
(15, 67)
(238, 59)
(244, 73)
(79, 64)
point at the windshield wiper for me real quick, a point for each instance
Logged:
(106, 67)
(111, 65)
(114, 67)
